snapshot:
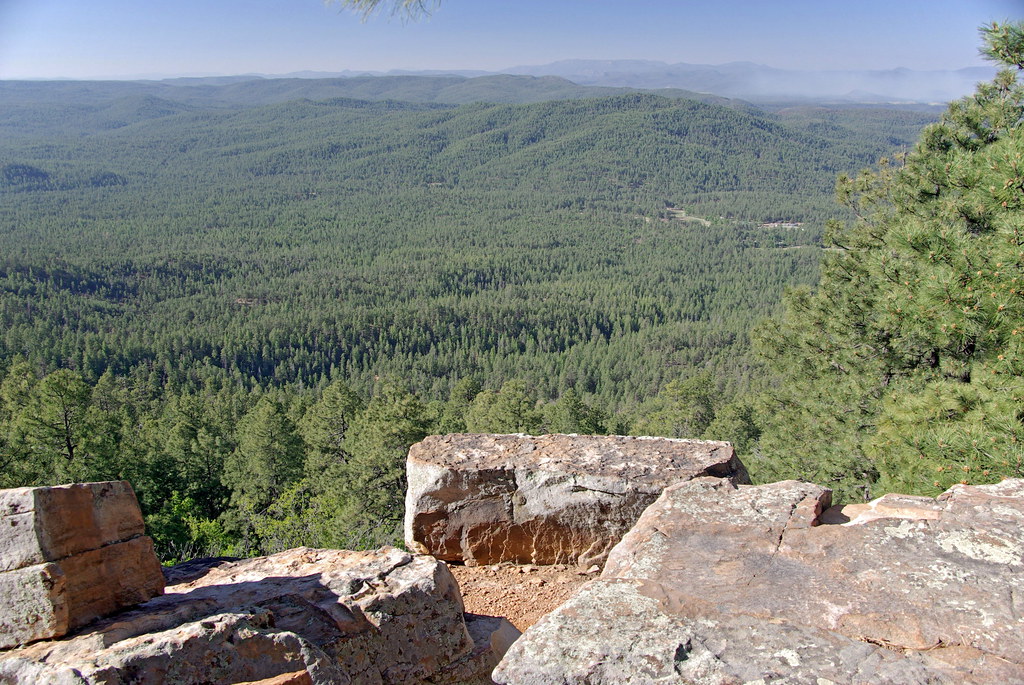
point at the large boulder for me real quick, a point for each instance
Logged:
(550, 499)
(637, 631)
(721, 584)
(68, 555)
(301, 616)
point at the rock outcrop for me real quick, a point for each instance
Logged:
(68, 555)
(301, 616)
(717, 581)
(722, 584)
(483, 499)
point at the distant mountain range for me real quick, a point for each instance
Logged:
(756, 82)
(739, 85)
(111, 103)
(742, 80)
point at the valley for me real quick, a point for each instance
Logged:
(179, 259)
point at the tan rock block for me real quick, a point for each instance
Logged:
(102, 581)
(49, 600)
(50, 523)
(548, 499)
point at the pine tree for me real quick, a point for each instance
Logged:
(16, 463)
(683, 409)
(510, 410)
(453, 414)
(362, 505)
(55, 428)
(570, 414)
(267, 460)
(903, 370)
(325, 426)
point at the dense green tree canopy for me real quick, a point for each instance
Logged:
(606, 245)
(268, 458)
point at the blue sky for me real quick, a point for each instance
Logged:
(131, 38)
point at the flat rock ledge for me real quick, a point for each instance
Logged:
(301, 616)
(549, 499)
(68, 555)
(724, 584)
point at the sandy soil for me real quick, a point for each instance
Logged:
(522, 594)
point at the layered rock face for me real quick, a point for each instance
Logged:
(723, 584)
(482, 499)
(302, 616)
(70, 554)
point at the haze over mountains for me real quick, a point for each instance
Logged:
(757, 82)
(748, 81)
(743, 80)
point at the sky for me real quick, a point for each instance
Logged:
(152, 39)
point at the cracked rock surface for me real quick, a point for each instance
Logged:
(549, 499)
(305, 615)
(724, 584)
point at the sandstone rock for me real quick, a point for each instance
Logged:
(483, 499)
(719, 584)
(338, 617)
(50, 523)
(891, 506)
(69, 555)
(638, 631)
(102, 581)
(34, 604)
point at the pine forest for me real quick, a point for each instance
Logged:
(249, 297)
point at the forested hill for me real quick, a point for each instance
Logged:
(231, 305)
(553, 241)
(205, 93)
(86, 106)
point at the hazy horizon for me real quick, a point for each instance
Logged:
(61, 39)
(512, 70)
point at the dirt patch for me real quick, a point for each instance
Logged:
(522, 594)
(681, 215)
